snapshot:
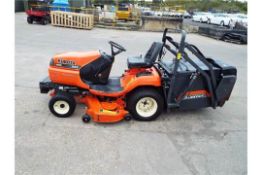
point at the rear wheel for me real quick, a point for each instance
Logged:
(62, 104)
(44, 21)
(229, 23)
(30, 20)
(145, 104)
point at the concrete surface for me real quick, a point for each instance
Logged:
(200, 142)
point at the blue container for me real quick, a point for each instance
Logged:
(113, 9)
(60, 5)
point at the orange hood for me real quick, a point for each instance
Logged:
(78, 59)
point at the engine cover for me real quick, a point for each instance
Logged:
(74, 60)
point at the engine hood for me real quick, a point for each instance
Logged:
(75, 59)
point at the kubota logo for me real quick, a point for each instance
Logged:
(66, 62)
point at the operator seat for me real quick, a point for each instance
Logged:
(148, 60)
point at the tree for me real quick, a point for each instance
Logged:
(157, 1)
(103, 2)
(126, 1)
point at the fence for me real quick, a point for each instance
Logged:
(70, 19)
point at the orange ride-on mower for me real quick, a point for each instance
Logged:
(150, 85)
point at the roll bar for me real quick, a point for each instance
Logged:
(181, 45)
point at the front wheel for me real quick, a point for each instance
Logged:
(145, 104)
(62, 105)
(30, 20)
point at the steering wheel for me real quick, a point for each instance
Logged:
(117, 46)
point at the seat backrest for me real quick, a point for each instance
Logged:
(153, 52)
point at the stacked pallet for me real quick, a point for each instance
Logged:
(70, 19)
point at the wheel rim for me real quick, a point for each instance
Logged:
(61, 107)
(146, 107)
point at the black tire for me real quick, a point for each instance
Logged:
(86, 118)
(44, 21)
(62, 101)
(137, 97)
(128, 117)
(222, 23)
(30, 20)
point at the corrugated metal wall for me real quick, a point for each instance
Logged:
(80, 3)
(19, 6)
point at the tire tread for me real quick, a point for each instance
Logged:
(66, 97)
(140, 93)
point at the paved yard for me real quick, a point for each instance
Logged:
(204, 142)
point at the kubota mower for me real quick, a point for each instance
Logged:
(38, 11)
(149, 85)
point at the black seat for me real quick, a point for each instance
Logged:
(148, 60)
